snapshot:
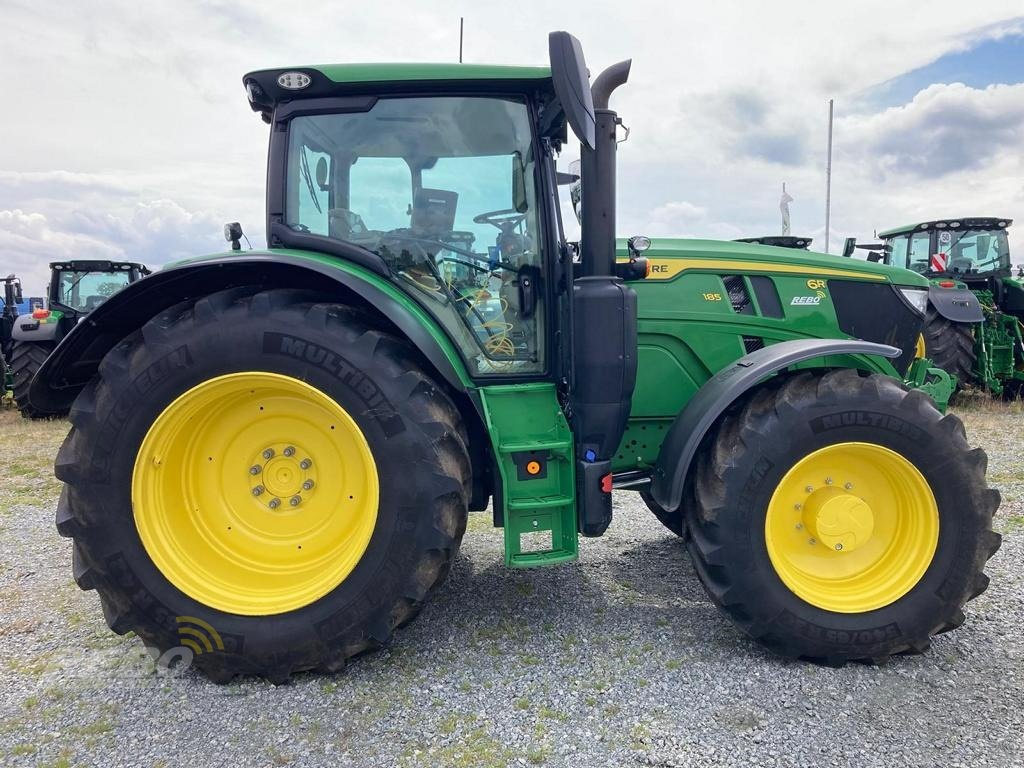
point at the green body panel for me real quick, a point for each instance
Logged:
(526, 424)
(396, 73)
(688, 329)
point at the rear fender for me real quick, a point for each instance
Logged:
(76, 359)
(722, 390)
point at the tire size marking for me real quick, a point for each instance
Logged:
(377, 405)
(860, 637)
(870, 419)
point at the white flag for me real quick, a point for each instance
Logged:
(784, 207)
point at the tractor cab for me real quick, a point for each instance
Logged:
(79, 287)
(971, 250)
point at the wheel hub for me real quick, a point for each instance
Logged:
(851, 527)
(838, 520)
(289, 474)
(228, 501)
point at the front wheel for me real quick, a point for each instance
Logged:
(950, 346)
(265, 480)
(841, 517)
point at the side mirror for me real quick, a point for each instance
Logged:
(848, 246)
(321, 174)
(18, 297)
(572, 85)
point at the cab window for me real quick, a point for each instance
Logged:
(442, 189)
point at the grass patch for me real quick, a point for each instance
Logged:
(26, 463)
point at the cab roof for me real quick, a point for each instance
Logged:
(973, 222)
(267, 88)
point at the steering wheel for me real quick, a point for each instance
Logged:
(500, 219)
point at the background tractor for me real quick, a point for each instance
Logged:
(12, 298)
(975, 324)
(285, 444)
(76, 289)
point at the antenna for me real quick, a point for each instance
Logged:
(461, 20)
(828, 177)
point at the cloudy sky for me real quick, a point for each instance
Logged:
(128, 135)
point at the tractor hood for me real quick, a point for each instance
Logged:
(669, 257)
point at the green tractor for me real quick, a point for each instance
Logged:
(274, 452)
(975, 324)
(12, 298)
(76, 289)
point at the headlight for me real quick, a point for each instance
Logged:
(917, 298)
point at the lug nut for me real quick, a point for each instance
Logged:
(839, 547)
(274, 503)
(257, 491)
(809, 488)
(289, 451)
(812, 542)
(295, 501)
(799, 526)
(828, 481)
(305, 463)
(308, 485)
(255, 469)
(798, 507)
(268, 454)
(848, 486)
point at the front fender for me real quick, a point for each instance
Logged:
(721, 390)
(76, 359)
(26, 328)
(958, 305)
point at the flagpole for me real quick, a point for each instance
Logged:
(828, 178)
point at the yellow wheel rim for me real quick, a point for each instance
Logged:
(852, 527)
(255, 493)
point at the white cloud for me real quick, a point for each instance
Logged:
(131, 134)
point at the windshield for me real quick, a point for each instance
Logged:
(965, 252)
(441, 188)
(84, 291)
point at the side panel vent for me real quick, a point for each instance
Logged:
(767, 295)
(739, 297)
(752, 343)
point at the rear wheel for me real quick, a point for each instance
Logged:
(950, 346)
(840, 517)
(265, 480)
(27, 357)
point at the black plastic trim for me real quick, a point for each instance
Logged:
(958, 305)
(721, 390)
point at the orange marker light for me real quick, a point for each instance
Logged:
(947, 284)
(533, 468)
(40, 314)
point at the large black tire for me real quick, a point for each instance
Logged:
(417, 446)
(753, 448)
(26, 358)
(950, 346)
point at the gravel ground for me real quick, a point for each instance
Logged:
(618, 659)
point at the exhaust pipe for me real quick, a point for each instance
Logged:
(597, 171)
